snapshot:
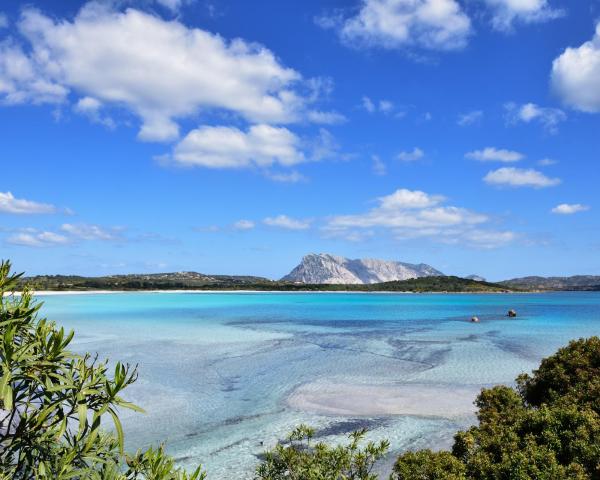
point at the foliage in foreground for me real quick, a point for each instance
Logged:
(546, 429)
(53, 403)
(299, 459)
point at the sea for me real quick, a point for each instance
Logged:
(225, 376)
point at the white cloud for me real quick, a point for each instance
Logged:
(326, 118)
(520, 177)
(470, 118)
(20, 80)
(10, 204)
(91, 108)
(283, 221)
(160, 70)
(285, 177)
(386, 106)
(230, 147)
(85, 231)
(569, 208)
(397, 24)
(244, 225)
(368, 104)
(379, 167)
(508, 12)
(412, 156)
(412, 214)
(530, 112)
(3, 20)
(492, 154)
(37, 239)
(576, 75)
(546, 162)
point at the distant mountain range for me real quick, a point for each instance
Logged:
(329, 269)
(577, 282)
(319, 272)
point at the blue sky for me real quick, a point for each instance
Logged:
(229, 136)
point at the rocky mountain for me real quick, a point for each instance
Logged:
(330, 269)
(577, 282)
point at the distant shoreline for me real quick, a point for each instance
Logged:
(213, 291)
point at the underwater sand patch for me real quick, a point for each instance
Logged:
(373, 400)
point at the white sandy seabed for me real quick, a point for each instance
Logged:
(374, 400)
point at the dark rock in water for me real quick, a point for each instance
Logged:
(512, 313)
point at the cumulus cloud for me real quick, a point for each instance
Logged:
(326, 118)
(548, 117)
(10, 204)
(508, 12)
(411, 156)
(37, 239)
(569, 208)
(397, 24)
(160, 70)
(288, 223)
(470, 118)
(410, 214)
(576, 75)
(230, 147)
(382, 106)
(244, 225)
(493, 154)
(520, 177)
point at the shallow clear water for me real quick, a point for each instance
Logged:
(216, 369)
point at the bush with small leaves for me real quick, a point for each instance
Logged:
(299, 459)
(53, 403)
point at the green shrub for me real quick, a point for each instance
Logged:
(53, 403)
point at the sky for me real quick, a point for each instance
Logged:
(234, 137)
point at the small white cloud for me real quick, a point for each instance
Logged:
(569, 208)
(37, 239)
(470, 118)
(3, 20)
(326, 118)
(411, 156)
(549, 118)
(91, 107)
(520, 177)
(85, 231)
(244, 225)
(492, 154)
(576, 75)
(288, 223)
(385, 106)
(368, 104)
(230, 147)
(286, 177)
(379, 167)
(546, 162)
(508, 12)
(399, 24)
(10, 204)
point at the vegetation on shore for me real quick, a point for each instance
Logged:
(55, 403)
(195, 281)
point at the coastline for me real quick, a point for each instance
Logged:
(213, 291)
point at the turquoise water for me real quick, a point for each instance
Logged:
(217, 370)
